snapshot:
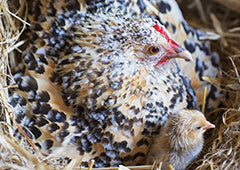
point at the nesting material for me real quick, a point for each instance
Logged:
(222, 149)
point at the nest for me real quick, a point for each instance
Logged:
(222, 146)
(219, 18)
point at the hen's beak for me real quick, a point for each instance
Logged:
(183, 54)
(208, 125)
(176, 51)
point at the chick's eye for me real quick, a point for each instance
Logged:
(153, 50)
(199, 127)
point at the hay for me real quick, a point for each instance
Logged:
(220, 18)
(222, 146)
(13, 154)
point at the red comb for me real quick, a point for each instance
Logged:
(174, 45)
(161, 30)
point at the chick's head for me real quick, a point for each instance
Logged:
(186, 128)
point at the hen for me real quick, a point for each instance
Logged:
(180, 141)
(97, 84)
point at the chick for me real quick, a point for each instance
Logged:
(180, 141)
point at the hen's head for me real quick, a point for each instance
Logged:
(121, 39)
(162, 49)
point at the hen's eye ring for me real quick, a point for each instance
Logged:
(153, 50)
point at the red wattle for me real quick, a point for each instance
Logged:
(162, 61)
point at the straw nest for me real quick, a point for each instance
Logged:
(219, 18)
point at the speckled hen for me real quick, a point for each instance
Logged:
(97, 84)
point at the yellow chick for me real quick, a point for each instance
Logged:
(180, 141)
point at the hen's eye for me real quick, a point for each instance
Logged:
(153, 50)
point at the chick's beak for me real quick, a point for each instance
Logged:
(176, 51)
(208, 125)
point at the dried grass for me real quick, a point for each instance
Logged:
(13, 153)
(222, 148)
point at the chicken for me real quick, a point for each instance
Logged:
(180, 141)
(97, 84)
(112, 85)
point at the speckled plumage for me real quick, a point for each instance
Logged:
(87, 86)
